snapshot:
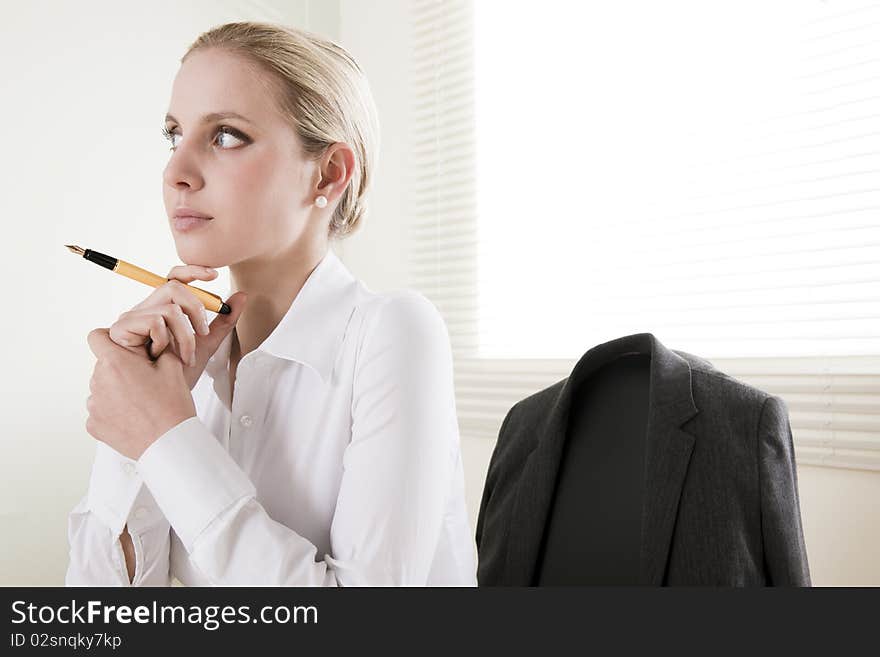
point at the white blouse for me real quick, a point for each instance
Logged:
(337, 462)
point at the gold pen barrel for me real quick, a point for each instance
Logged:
(212, 302)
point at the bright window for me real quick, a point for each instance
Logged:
(708, 172)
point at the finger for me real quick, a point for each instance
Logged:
(149, 344)
(176, 292)
(161, 324)
(176, 348)
(136, 328)
(185, 274)
(192, 306)
(130, 330)
(99, 341)
(189, 273)
(181, 331)
(159, 336)
(220, 327)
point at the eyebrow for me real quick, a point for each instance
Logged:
(215, 116)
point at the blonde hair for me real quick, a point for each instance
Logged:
(323, 92)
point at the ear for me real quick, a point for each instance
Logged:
(337, 167)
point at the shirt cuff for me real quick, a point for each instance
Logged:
(113, 487)
(192, 478)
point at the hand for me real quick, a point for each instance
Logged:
(134, 400)
(172, 316)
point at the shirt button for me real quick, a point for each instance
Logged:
(129, 468)
(140, 513)
(245, 420)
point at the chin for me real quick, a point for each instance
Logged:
(196, 254)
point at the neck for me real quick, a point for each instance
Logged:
(272, 282)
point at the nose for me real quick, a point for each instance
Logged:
(182, 170)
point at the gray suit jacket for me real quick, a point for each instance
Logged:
(721, 499)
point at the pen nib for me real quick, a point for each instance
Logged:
(75, 249)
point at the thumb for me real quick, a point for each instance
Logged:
(220, 327)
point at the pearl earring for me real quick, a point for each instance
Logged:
(321, 201)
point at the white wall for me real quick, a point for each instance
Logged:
(841, 519)
(377, 35)
(85, 90)
(84, 93)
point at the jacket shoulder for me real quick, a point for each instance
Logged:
(523, 424)
(532, 410)
(721, 394)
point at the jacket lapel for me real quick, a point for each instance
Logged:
(668, 454)
(667, 457)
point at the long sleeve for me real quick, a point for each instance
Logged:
(116, 497)
(785, 554)
(398, 468)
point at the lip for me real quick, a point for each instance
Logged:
(186, 223)
(183, 211)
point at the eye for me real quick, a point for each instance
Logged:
(223, 131)
(169, 136)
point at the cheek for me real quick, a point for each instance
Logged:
(271, 193)
(167, 198)
(252, 185)
(240, 184)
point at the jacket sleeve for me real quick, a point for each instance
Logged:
(397, 472)
(117, 497)
(785, 554)
(489, 484)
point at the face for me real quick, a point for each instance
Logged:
(249, 174)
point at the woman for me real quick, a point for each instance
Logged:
(310, 436)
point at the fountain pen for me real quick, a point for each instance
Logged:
(211, 301)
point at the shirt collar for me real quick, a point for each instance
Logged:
(312, 329)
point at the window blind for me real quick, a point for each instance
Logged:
(586, 172)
